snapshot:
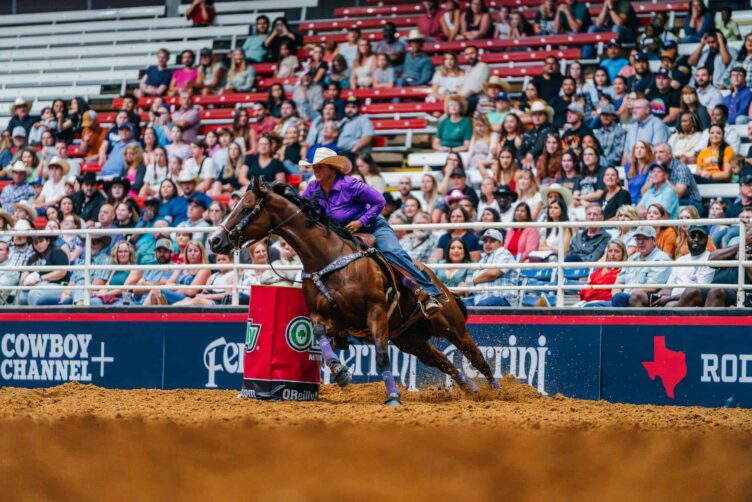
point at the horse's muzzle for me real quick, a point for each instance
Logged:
(220, 243)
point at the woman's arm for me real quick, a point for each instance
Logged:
(198, 280)
(536, 209)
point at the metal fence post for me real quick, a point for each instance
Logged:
(87, 264)
(559, 269)
(235, 277)
(742, 272)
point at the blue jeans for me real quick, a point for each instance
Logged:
(172, 296)
(388, 244)
(620, 300)
(489, 301)
(45, 297)
(624, 34)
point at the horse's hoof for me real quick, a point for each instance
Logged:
(342, 375)
(495, 384)
(471, 387)
(393, 400)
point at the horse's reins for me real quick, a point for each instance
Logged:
(235, 235)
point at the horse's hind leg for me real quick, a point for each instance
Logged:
(465, 343)
(431, 356)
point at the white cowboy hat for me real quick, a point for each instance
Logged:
(9, 219)
(58, 161)
(186, 176)
(27, 208)
(496, 81)
(540, 106)
(19, 167)
(415, 35)
(22, 225)
(19, 102)
(563, 191)
(328, 157)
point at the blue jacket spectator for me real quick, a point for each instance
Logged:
(738, 101)
(660, 192)
(698, 22)
(115, 162)
(355, 130)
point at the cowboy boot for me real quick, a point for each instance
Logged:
(429, 305)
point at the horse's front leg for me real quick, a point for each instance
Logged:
(340, 372)
(379, 328)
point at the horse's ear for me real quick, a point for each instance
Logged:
(263, 188)
(252, 185)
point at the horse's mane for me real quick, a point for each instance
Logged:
(313, 211)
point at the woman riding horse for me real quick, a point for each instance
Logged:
(357, 207)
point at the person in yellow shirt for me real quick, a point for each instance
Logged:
(714, 162)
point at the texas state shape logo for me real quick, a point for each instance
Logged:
(670, 365)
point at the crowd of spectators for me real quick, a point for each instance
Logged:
(609, 141)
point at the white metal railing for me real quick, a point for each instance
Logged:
(558, 266)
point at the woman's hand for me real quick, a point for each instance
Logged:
(354, 226)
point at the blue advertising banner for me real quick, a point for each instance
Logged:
(678, 365)
(703, 360)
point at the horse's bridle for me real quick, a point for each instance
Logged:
(236, 233)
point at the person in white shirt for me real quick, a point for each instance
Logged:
(201, 165)
(54, 188)
(698, 274)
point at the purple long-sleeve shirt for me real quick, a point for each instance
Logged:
(349, 199)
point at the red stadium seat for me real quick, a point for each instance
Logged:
(396, 108)
(518, 57)
(74, 151)
(90, 167)
(4, 183)
(398, 124)
(488, 43)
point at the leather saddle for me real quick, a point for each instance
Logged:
(367, 241)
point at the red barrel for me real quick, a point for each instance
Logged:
(282, 357)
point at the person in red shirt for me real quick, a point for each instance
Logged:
(616, 251)
(264, 124)
(201, 12)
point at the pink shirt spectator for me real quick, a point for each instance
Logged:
(182, 76)
(430, 27)
(193, 119)
(265, 126)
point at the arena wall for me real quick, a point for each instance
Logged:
(701, 357)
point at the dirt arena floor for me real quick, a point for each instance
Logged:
(77, 442)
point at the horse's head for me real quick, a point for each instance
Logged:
(246, 222)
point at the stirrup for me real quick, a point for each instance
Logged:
(430, 306)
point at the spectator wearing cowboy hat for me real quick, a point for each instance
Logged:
(24, 211)
(54, 188)
(188, 183)
(20, 116)
(610, 135)
(44, 254)
(491, 88)
(418, 68)
(533, 140)
(6, 223)
(18, 190)
(454, 131)
(355, 130)
(88, 200)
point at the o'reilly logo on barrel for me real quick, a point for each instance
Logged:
(299, 335)
(251, 335)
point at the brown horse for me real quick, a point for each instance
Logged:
(352, 299)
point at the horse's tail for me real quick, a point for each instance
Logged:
(463, 307)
